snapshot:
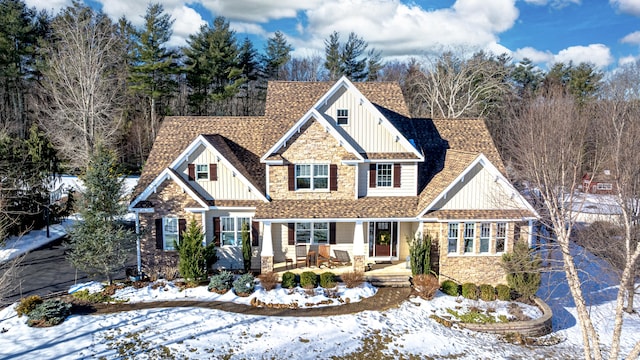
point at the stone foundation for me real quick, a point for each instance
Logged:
(358, 263)
(266, 264)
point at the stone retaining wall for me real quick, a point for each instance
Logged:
(537, 327)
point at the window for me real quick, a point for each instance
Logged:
(170, 233)
(231, 230)
(453, 238)
(605, 186)
(202, 172)
(342, 116)
(485, 235)
(312, 233)
(469, 236)
(312, 177)
(501, 236)
(384, 178)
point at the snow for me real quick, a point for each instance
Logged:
(18, 245)
(199, 333)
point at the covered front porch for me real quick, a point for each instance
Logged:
(372, 246)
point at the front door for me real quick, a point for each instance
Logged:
(382, 239)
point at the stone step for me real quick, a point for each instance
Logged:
(389, 280)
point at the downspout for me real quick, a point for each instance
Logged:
(138, 250)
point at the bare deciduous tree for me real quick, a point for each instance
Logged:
(548, 144)
(81, 85)
(451, 86)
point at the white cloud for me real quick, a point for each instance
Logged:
(247, 28)
(49, 5)
(187, 22)
(627, 6)
(596, 54)
(258, 10)
(536, 56)
(400, 29)
(627, 60)
(633, 38)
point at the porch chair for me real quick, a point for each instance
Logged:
(301, 254)
(324, 255)
(342, 257)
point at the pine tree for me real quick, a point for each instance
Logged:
(213, 72)
(194, 257)
(98, 244)
(248, 62)
(349, 60)
(277, 55)
(246, 247)
(332, 55)
(154, 66)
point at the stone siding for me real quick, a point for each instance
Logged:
(313, 145)
(168, 200)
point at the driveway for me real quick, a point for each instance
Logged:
(46, 270)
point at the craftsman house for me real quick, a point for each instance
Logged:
(336, 163)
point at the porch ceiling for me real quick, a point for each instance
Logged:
(479, 214)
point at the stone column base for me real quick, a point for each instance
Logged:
(358, 263)
(266, 264)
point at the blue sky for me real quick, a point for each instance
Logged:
(603, 32)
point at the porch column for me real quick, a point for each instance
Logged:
(204, 228)
(266, 255)
(358, 247)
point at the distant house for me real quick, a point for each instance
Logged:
(332, 163)
(599, 183)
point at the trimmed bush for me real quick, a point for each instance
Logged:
(450, 288)
(268, 280)
(425, 285)
(289, 280)
(27, 304)
(352, 279)
(221, 282)
(243, 286)
(95, 298)
(308, 279)
(487, 292)
(504, 292)
(49, 313)
(327, 280)
(470, 291)
(194, 257)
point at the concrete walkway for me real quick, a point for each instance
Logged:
(385, 298)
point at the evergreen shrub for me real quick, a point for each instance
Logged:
(308, 279)
(470, 291)
(49, 313)
(27, 304)
(289, 280)
(504, 292)
(327, 280)
(221, 282)
(487, 292)
(450, 288)
(244, 285)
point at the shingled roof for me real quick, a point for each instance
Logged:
(449, 146)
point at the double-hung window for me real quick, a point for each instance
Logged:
(202, 171)
(384, 175)
(312, 176)
(501, 236)
(312, 233)
(452, 238)
(485, 236)
(231, 230)
(469, 236)
(170, 232)
(342, 116)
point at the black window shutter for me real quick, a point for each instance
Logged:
(292, 177)
(372, 175)
(396, 175)
(192, 172)
(255, 233)
(332, 233)
(159, 238)
(333, 177)
(292, 234)
(182, 227)
(213, 172)
(216, 231)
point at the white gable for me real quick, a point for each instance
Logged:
(480, 187)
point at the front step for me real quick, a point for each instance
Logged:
(389, 280)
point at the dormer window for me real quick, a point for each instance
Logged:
(202, 171)
(342, 117)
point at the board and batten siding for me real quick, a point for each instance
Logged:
(227, 187)
(478, 191)
(408, 185)
(363, 126)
